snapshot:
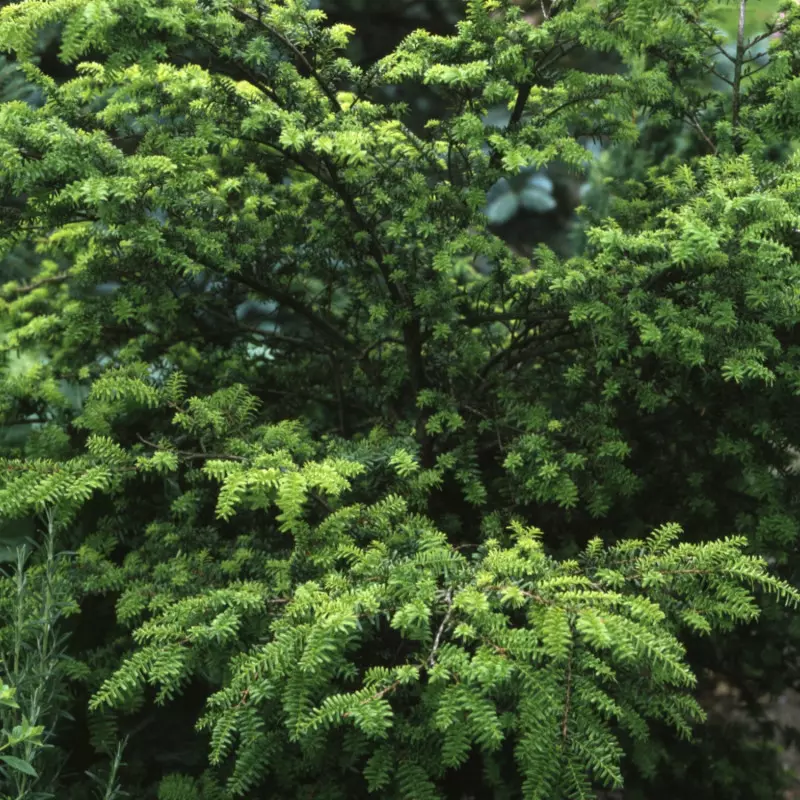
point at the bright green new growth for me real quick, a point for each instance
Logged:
(321, 514)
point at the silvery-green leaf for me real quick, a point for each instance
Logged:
(502, 209)
(540, 181)
(498, 189)
(536, 199)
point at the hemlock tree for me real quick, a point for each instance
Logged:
(327, 495)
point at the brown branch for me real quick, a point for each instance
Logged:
(420, 144)
(737, 68)
(189, 456)
(437, 640)
(772, 29)
(692, 115)
(637, 576)
(24, 289)
(476, 318)
(34, 420)
(533, 595)
(524, 90)
(522, 345)
(276, 34)
(385, 340)
(294, 304)
(245, 71)
(699, 128)
(710, 36)
(519, 107)
(750, 73)
(719, 75)
(412, 331)
(377, 696)
(271, 335)
(566, 48)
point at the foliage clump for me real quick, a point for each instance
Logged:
(330, 464)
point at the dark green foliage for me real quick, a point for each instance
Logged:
(352, 496)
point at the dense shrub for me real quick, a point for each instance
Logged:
(339, 493)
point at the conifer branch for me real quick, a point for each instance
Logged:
(772, 29)
(567, 701)
(412, 333)
(189, 455)
(692, 118)
(269, 291)
(519, 107)
(737, 70)
(717, 74)
(236, 327)
(749, 73)
(298, 54)
(27, 288)
(522, 347)
(709, 36)
(242, 69)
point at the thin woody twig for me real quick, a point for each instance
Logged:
(699, 128)
(329, 92)
(710, 37)
(437, 640)
(737, 67)
(565, 721)
(190, 456)
(185, 454)
(719, 75)
(30, 287)
(377, 696)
